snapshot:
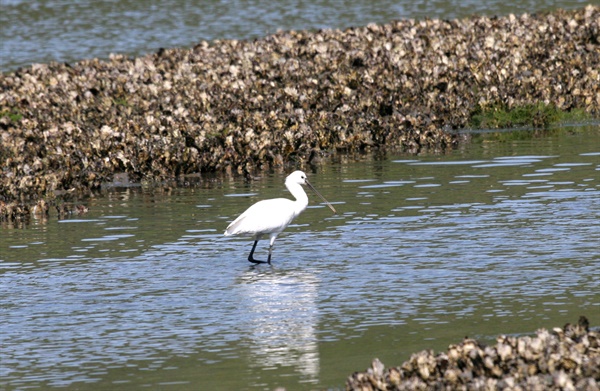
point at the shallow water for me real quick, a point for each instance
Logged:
(68, 31)
(144, 291)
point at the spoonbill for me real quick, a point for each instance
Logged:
(271, 217)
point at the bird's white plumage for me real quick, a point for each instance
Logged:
(264, 217)
(270, 217)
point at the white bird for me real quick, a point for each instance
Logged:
(271, 217)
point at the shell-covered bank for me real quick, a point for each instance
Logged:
(565, 358)
(235, 106)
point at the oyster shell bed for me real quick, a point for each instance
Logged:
(562, 359)
(236, 106)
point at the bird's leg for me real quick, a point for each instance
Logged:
(270, 250)
(271, 243)
(251, 258)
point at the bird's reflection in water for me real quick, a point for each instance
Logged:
(279, 319)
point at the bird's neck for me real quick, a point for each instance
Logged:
(300, 196)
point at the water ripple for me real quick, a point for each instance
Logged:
(137, 286)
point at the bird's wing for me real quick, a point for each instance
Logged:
(232, 228)
(263, 217)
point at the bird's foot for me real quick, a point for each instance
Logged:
(251, 259)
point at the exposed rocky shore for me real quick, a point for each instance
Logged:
(235, 106)
(561, 359)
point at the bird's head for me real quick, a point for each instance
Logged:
(300, 178)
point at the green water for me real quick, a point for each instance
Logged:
(144, 292)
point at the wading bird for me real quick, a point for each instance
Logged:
(270, 217)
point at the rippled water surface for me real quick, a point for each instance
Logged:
(66, 30)
(145, 292)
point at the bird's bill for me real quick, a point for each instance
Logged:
(319, 194)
